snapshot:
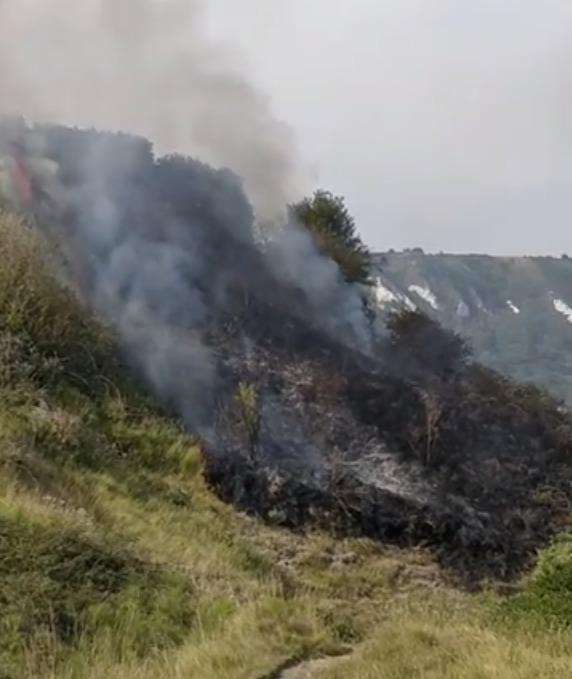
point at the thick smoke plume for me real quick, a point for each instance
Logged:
(147, 67)
(163, 247)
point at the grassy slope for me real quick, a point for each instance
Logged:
(117, 561)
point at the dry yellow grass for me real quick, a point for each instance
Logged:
(423, 647)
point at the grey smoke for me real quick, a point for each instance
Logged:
(147, 67)
(163, 247)
(338, 306)
(155, 321)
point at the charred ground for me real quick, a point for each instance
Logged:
(471, 464)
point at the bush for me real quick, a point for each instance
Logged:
(423, 346)
(249, 415)
(548, 596)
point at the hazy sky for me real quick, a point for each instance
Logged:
(447, 124)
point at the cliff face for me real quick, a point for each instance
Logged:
(516, 312)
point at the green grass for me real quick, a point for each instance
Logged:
(60, 581)
(546, 599)
(117, 561)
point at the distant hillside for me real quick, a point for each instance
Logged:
(516, 311)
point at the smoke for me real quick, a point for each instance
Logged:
(158, 314)
(337, 307)
(145, 66)
(163, 247)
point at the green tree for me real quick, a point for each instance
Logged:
(334, 230)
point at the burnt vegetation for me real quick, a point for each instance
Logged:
(450, 455)
(400, 437)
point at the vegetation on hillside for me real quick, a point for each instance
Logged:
(334, 231)
(117, 561)
(419, 344)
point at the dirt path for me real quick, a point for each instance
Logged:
(307, 670)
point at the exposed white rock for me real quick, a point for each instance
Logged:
(384, 295)
(564, 309)
(512, 306)
(425, 294)
(408, 303)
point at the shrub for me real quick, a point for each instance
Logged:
(423, 346)
(548, 596)
(424, 438)
(249, 414)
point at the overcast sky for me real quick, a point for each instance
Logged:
(447, 124)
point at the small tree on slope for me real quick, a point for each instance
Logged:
(327, 218)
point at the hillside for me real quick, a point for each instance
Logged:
(516, 312)
(117, 560)
(214, 466)
(307, 415)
